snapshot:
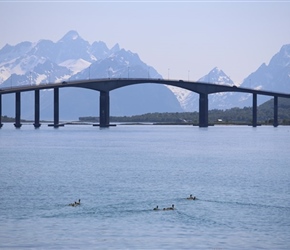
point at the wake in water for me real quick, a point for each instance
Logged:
(245, 204)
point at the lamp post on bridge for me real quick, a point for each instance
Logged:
(148, 72)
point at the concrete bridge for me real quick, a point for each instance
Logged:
(104, 86)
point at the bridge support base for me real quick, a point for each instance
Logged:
(36, 109)
(203, 110)
(56, 125)
(55, 108)
(109, 125)
(275, 124)
(254, 123)
(17, 123)
(36, 125)
(104, 109)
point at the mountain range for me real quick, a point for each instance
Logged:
(73, 58)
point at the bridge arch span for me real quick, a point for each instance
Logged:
(104, 86)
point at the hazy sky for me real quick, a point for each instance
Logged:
(178, 38)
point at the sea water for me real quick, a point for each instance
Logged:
(240, 175)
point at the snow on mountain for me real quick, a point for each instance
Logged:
(19, 66)
(70, 52)
(136, 99)
(217, 76)
(72, 46)
(189, 100)
(273, 77)
(181, 95)
(120, 63)
(8, 52)
(75, 66)
(73, 58)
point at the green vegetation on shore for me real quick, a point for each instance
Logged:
(7, 119)
(229, 116)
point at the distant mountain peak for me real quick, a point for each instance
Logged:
(74, 58)
(115, 48)
(71, 35)
(286, 49)
(217, 76)
(215, 70)
(273, 77)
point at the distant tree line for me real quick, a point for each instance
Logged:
(5, 118)
(230, 116)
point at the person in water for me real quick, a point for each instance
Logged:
(156, 208)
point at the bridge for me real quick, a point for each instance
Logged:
(104, 86)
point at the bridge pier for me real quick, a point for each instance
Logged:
(17, 123)
(203, 110)
(36, 109)
(104, 109)
(55, 107)
(275, 124)
(1, 111)
(254, 122)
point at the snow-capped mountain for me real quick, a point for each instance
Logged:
(70, 52)
(73, 58)
(273, 77)
(189, 101)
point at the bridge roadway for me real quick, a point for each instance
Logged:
(104, 86)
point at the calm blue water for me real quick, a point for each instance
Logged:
(240, 174)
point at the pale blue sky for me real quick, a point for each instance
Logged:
(187, 37)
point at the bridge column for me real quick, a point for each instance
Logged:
(36, 109)
(203, 110)
(56, 107)
(104, 109)
(17, 123)
(1, 111)
(275, 124)
(254, 122)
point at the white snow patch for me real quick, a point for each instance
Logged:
(63, 78)
(75, 65)
(93, 58)
(40, 78)
(258, 87)
(4, 74)
(180, 93)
